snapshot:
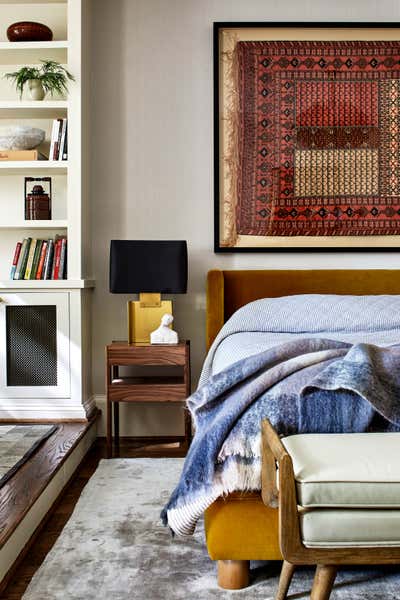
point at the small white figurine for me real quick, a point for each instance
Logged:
(164, 335)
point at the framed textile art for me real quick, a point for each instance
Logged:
(307, 136)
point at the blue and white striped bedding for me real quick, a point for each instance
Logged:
(269, 322)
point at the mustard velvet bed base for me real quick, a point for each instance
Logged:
(240, 527)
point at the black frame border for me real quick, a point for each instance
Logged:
(217, 26)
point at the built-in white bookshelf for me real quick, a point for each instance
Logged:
(68, 19)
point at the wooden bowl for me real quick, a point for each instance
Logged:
(29, 31)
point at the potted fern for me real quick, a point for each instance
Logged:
(51, 77)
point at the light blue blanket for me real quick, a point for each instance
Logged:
(304, 385)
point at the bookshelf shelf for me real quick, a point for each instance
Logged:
(48, 284)
(33, 1)
(43, 109)
(9, 167)
(53, 224)
(17, 53)
(57, 44)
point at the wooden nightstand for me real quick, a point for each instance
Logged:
(146, 387)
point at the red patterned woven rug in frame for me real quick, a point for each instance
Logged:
(318, 136)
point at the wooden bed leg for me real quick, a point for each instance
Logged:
(323, 582)
(233, 574)
(284, 581)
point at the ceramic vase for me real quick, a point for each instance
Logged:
(36, 89)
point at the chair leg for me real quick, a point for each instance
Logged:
(284, 581)
(323, 582)
(233, 574)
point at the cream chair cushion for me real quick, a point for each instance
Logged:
(338, 528)
(356, 470)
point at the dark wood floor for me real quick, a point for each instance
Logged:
(65, 506)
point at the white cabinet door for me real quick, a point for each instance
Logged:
(34, 345)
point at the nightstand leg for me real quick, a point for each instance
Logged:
(109, 429)
(108, 410)
(116, 427)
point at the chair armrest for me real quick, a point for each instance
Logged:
(272, 452)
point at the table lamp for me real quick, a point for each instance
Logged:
(148, 268)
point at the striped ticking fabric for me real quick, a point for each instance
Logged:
(354, 319)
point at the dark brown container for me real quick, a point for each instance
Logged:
(29, 31)
(37, 202)
(37, 208)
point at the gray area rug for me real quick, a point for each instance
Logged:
(17, 444)
(114, 547)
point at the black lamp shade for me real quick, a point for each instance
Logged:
(148, 266)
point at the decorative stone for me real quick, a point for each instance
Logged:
(163, 334)
(20, 137)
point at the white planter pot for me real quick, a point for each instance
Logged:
(36, 89)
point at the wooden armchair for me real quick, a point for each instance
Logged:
(346, 514)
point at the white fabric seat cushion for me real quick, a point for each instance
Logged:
(337, 528)
(346, 470)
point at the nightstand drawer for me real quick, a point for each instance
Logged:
(148, 389)
(135, 354)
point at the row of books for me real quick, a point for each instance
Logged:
(40, 259)
(59, 140)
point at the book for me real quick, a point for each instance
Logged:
(58, 143)
(65, 274)
(20, 259)
(65, 147)
(23, 257)
(63, 255)
(48, 263)
(35, 261)
(15, 259)
(32, 248)
(54, 139)
(41, 260)
(56, 259)
(62, 142)
(19, 155)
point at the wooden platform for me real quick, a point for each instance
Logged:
(27, 498)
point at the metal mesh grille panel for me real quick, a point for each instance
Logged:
(31, 345)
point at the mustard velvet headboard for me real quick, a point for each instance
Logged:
(229, 290)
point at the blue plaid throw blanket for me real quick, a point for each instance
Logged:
(304, 385)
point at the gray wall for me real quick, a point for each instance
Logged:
(152, 152)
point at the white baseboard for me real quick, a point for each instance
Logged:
(18, 540)
(46, 409)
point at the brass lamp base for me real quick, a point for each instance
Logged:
(144, 316)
